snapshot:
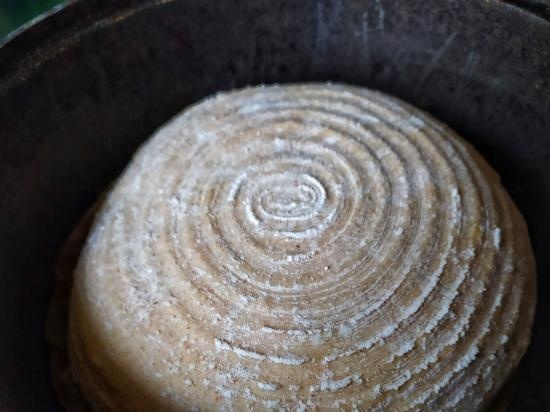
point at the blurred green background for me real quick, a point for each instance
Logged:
(13, 13)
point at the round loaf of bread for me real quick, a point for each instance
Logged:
(302, 247)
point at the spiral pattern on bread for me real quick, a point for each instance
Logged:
(302, 247)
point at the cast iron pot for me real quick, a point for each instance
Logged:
(82, 88)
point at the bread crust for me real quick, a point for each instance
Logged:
(302, 247)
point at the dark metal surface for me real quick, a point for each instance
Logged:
(81, 89)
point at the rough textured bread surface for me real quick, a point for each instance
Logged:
(302, 247)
